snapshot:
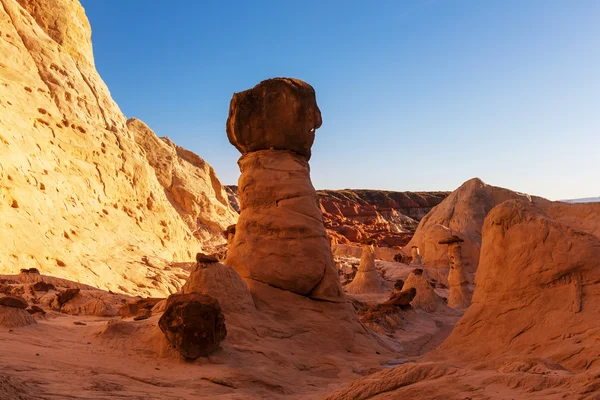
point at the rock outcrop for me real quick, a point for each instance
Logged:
(367, 278)
(78, 197)
(536, 293)
(194, 324)
(462, 214)
(426, 298)
(280, 239)
(191, 185)
(222, 283)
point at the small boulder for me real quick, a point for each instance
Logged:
(205, 258)
(399, 284)
(14, 301)
(36, 310)
(193, 324)
(30, 271)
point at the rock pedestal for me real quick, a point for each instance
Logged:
(279, 239)
(458, 281)
(367, 279)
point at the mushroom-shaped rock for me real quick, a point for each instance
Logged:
(458, 280)
(279, 239)
(223, 283)
(367, 279)
(194, 324)
(280, 113)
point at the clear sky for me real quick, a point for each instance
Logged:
(415, 95)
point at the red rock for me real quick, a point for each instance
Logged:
(14, 301)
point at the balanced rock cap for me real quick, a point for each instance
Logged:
(278, 113)
(452, 239)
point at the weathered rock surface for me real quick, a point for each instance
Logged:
(280, 114)
(14, 301)
(13, 317)
(426, 298)
(191, 185)
(536, 292)
(78, 198)
(462, 214)
(194, 324)
(222, 283)
(280, 239)
(367, 278)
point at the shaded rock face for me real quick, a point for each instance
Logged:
(280, 113)
(14, 301)
(194, 324)
(538, 286)
(72, 173)
(279, 238)
(13, 317)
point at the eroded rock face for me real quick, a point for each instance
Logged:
(280, 238)
(194, 324)
(280, 113)
(462, 214)
(537, 286)
(78, 198)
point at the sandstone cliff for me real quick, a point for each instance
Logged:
(352, 215)
(79, 198)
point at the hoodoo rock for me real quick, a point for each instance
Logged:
(426, 298)
(367, 279)
(459, 293)
(193, 324)
(279, 239)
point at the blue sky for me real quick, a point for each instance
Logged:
(415, 95)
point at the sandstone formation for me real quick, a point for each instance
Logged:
(78, 197)
(415, 256)
(280, 239)
(193, 324)
(367, 278)
(426, 298)
(461, 214)
(536, 290)
(460, 293)
(222, 283)
(190, 184)
(14, 317)
(390, 217)
(353, 215)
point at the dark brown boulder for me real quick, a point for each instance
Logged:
(279, 113)
(399, 284)
(194, 324)
(35, 309)
(66, 296)
(30, 271)
(14, 301)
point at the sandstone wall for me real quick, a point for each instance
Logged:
(78, 198)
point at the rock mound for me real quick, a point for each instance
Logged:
(462, 214)
(537, 291)
(367, 278)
